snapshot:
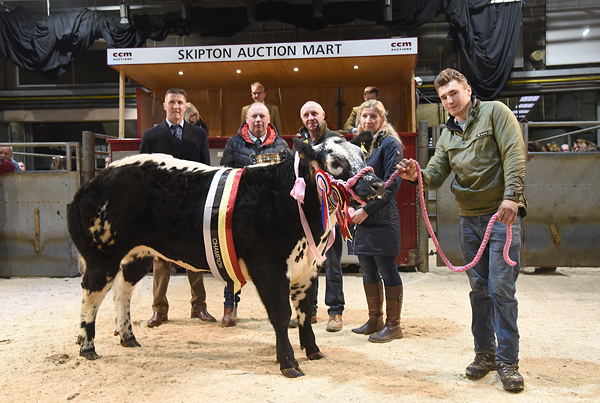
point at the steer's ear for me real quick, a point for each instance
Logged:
(304, 149)
(364, 140)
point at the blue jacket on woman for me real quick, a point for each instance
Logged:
(379, 234)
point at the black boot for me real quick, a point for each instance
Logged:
(481, 365)
(374, 294)
(393, 307)
(512, 380)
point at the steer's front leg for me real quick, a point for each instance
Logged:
(275, 296)
(305, 312)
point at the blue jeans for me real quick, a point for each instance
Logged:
(493, 302)
(334, 290)
(231, 300)
(376, 267)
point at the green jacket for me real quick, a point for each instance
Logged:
(351, 122)
(488, 160)
(324, 132)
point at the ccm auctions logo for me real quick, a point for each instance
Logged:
(401, 45)
(120, 56)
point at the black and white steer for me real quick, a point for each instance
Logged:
(154, 205)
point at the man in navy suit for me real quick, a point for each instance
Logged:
(182, 140)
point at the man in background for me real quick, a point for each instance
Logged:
(259, 93)
(351, 123)
(7, 163)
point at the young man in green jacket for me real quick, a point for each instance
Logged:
(483, 145)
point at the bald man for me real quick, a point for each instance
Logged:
(256, 136)
(315, 130)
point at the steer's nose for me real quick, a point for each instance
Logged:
(378, 188)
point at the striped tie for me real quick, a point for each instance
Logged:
(176, 130)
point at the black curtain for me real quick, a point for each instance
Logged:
(49, 45)
(486, 34)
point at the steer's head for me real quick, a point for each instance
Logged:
(342, 160)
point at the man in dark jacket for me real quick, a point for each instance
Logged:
(182, 140)
(257, 136)
(315, 130)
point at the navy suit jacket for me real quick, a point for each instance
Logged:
(193, 145)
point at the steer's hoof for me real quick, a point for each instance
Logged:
(292, 372)
(315, 356)
(130, 342)
(89, 353)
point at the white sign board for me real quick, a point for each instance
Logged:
(265, 51)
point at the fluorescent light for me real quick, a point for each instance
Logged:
(585, 32)
(530, 98)
(528, 106)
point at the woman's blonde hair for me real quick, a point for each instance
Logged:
(380, 109)
(191, 109)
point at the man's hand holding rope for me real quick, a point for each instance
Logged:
(507, 212)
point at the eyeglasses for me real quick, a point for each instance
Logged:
(257, 92)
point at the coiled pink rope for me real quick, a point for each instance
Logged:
(486, 237)
(352, 181)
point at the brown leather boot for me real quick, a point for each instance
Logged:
(374, 294)
(229, 316)
(393, 307)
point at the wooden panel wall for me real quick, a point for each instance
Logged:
(221, 108)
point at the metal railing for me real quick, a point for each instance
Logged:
(69, 146)
(86, 155)
(91, 154)
(592, 125)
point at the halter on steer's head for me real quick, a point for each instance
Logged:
(336, 167)
(343, 161)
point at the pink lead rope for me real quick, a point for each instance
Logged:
(352, 181)
(486, 237)
(298, 194)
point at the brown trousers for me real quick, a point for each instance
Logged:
(162, 274)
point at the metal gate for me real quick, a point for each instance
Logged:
(34, 240)
(562, 227)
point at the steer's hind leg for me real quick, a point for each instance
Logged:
(125, 280)
(94, 290)
(274, 293)
(302, 299)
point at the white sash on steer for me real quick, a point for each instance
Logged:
(218, 228)
(210, 257)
